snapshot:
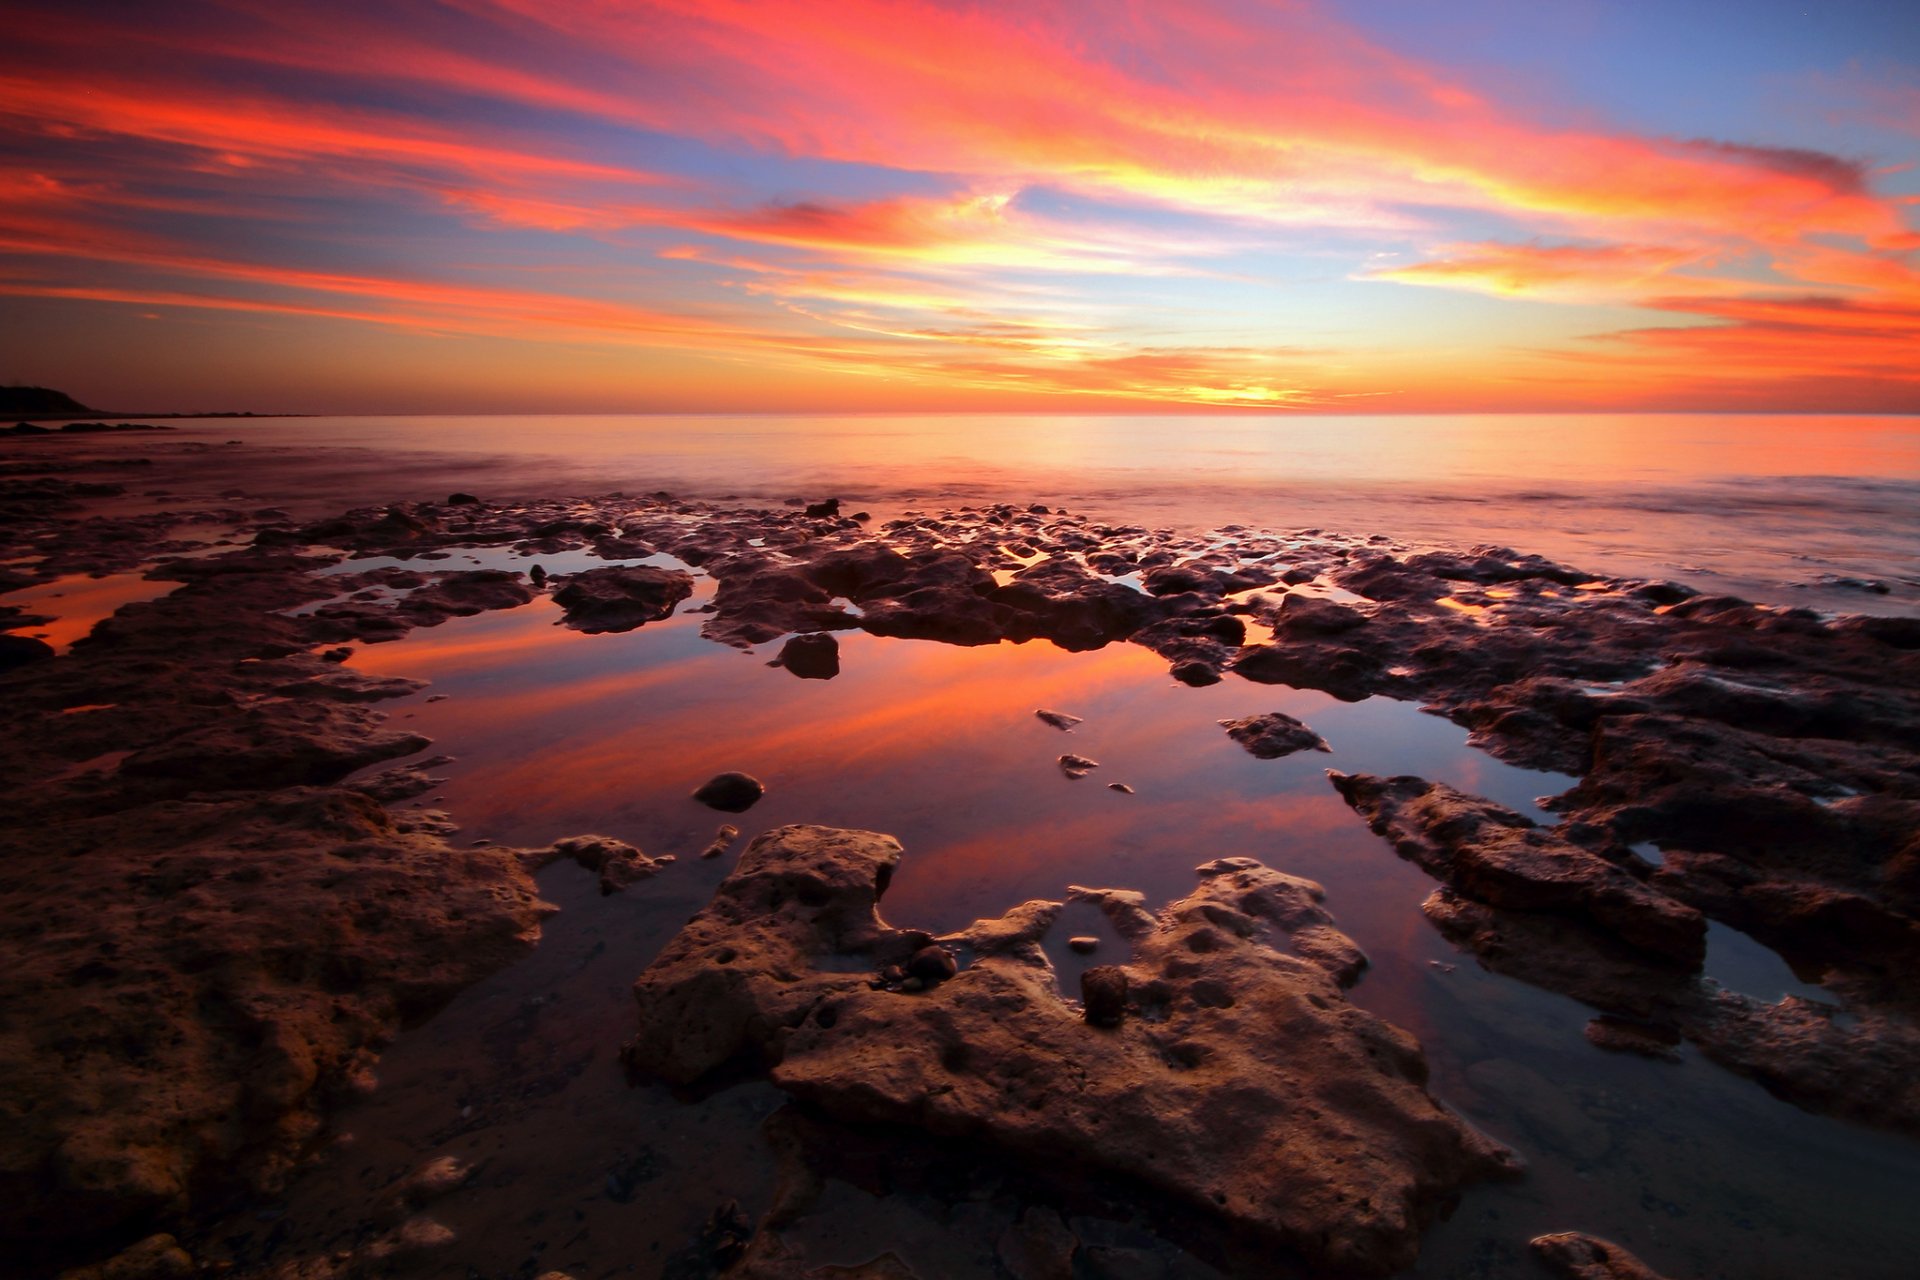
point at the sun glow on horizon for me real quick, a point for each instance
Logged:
(902, 204)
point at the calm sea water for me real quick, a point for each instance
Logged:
(1772, 507)
(557, 733)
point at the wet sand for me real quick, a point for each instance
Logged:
(556, 732)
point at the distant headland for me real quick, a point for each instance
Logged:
(31, 403)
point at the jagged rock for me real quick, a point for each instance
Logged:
(1273, 735)
(620, 598)
(618, 863)
(1059, 719)
(1496, 856)
(1077, 766)
(1325, 1142)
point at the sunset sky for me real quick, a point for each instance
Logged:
(1370, 206)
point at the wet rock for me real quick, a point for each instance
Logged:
(19, 651)
(259, 749)
(1077, 766)
(1273, 735)
(461, 500)
(1056, 598)
(351, 686)
(1084, 944)
(1306, 617)
(1495, 856)
(620, 598)
(402, 782)
(461, 595)
(932, 964)
(1103, 993)
(1574, 1256)
(1037, 1247)
(158, 1257)
(811, 657)
(1325, 1143)
(730, 792)
(1195, 673)
(722, 841)
(1059, 719)
(1618, 1035)
(434, 1179)
(617, 863)
(1347, 673)
(825, 509)
(1121, 787)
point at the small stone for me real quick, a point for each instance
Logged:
(823, 510)
(722, 840)
(912, 984)
(1077, 766)
(730, 792)
(932, 965)
(811, 657)
(1103, 990)
(1059, 719)
(1121, 787)
(461, 500)
(1084, 944)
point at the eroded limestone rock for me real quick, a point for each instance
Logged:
(1242, 1084)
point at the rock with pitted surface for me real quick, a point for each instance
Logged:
(1242, 1084)
(1493, 855)
(621, 598)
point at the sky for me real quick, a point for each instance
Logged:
(1376, 206)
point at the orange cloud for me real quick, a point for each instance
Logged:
(1560, 271)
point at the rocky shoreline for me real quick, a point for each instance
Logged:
(216, 918)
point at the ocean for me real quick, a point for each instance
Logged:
(1793, 509)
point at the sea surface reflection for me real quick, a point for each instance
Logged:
(558, 733)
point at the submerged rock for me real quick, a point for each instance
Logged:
(1273, 735)
(1059, 719)
(1246, 1087)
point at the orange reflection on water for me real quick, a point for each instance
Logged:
(78, 603)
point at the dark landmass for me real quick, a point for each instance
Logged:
(209, 934)
(40, 401)
(38, 404)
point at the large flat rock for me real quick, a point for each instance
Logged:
(1240, 1083)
